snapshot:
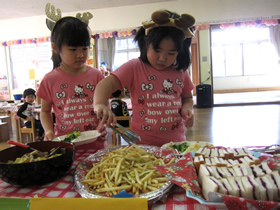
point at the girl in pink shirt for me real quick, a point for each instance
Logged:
(160, 86)
(69, 88)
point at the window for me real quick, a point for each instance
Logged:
(126, 49)
(29, 62)
(242, 52)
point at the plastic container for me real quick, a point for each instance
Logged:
(17, 96)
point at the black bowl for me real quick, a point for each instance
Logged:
(35, 173)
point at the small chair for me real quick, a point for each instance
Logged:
(126, 118)
(22, 129)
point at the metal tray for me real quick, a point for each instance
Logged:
(86, 164)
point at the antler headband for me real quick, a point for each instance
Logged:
(55, 16)
(162, 18)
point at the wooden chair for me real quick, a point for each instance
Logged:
(116, 136)
(22, 129)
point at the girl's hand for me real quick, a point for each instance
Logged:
(187, 115)
(49, 135)
(105, 115)
(103, 136)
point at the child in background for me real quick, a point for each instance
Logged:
(160, 87)
(69, 88)
(119, 107)
(26, 111)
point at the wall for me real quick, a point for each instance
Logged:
(132, 16)
(205, 60)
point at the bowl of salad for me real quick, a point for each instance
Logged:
(22, 166)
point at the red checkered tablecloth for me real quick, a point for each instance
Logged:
(64, 188)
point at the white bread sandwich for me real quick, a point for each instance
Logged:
(220, 162)
(252, 159)
(228, 153)
(264, 167)
(210, 161)
(198, 160)
(219, 152)
(274, 179)
(256, 171)
(204, 171)
(242, 170)
(228, 171)
(251, 187)
(201, 151)
(231, 163)
(218, 173)
(266, 190)
(237, 186)
(214, 185)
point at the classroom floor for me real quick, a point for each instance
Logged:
(235, 120)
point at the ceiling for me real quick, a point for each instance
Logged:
(11, 9)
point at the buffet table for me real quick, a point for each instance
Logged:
(64, 188)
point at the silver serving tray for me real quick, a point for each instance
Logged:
(86, 164)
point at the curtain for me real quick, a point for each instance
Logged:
(275, 38)
(111, 43)
(106, 51)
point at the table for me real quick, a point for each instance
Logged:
(64, 188)
(10, 108)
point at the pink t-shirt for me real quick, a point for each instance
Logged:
(156, 101)
(72, 100)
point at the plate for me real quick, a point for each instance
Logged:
(83, 167)
(193, 146)
(85, 137)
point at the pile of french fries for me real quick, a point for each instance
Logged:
(127, 168)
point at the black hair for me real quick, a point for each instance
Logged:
(156, 35)
(117, 93)
(69, 31)
(28, 92)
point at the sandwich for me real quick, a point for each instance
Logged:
(266, 189)
(215, 185)
(237, 186)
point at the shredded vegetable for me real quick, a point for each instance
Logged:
(71, 136)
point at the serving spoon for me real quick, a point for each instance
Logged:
(43, 154)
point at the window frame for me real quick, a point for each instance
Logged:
(242, 44)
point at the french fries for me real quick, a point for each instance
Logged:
(127, 168)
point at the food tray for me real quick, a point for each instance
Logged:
(216, 199)
(189, 194)
(86, 164)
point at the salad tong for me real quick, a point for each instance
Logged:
(129, 136)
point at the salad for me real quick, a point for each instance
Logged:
(186, 146)
(71, 136)
(181, 147)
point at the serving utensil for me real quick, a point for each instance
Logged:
(43, 154)
(272, 149)
(129, 136)
(54, 151)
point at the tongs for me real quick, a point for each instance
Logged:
(129, 136)
(272, 149)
